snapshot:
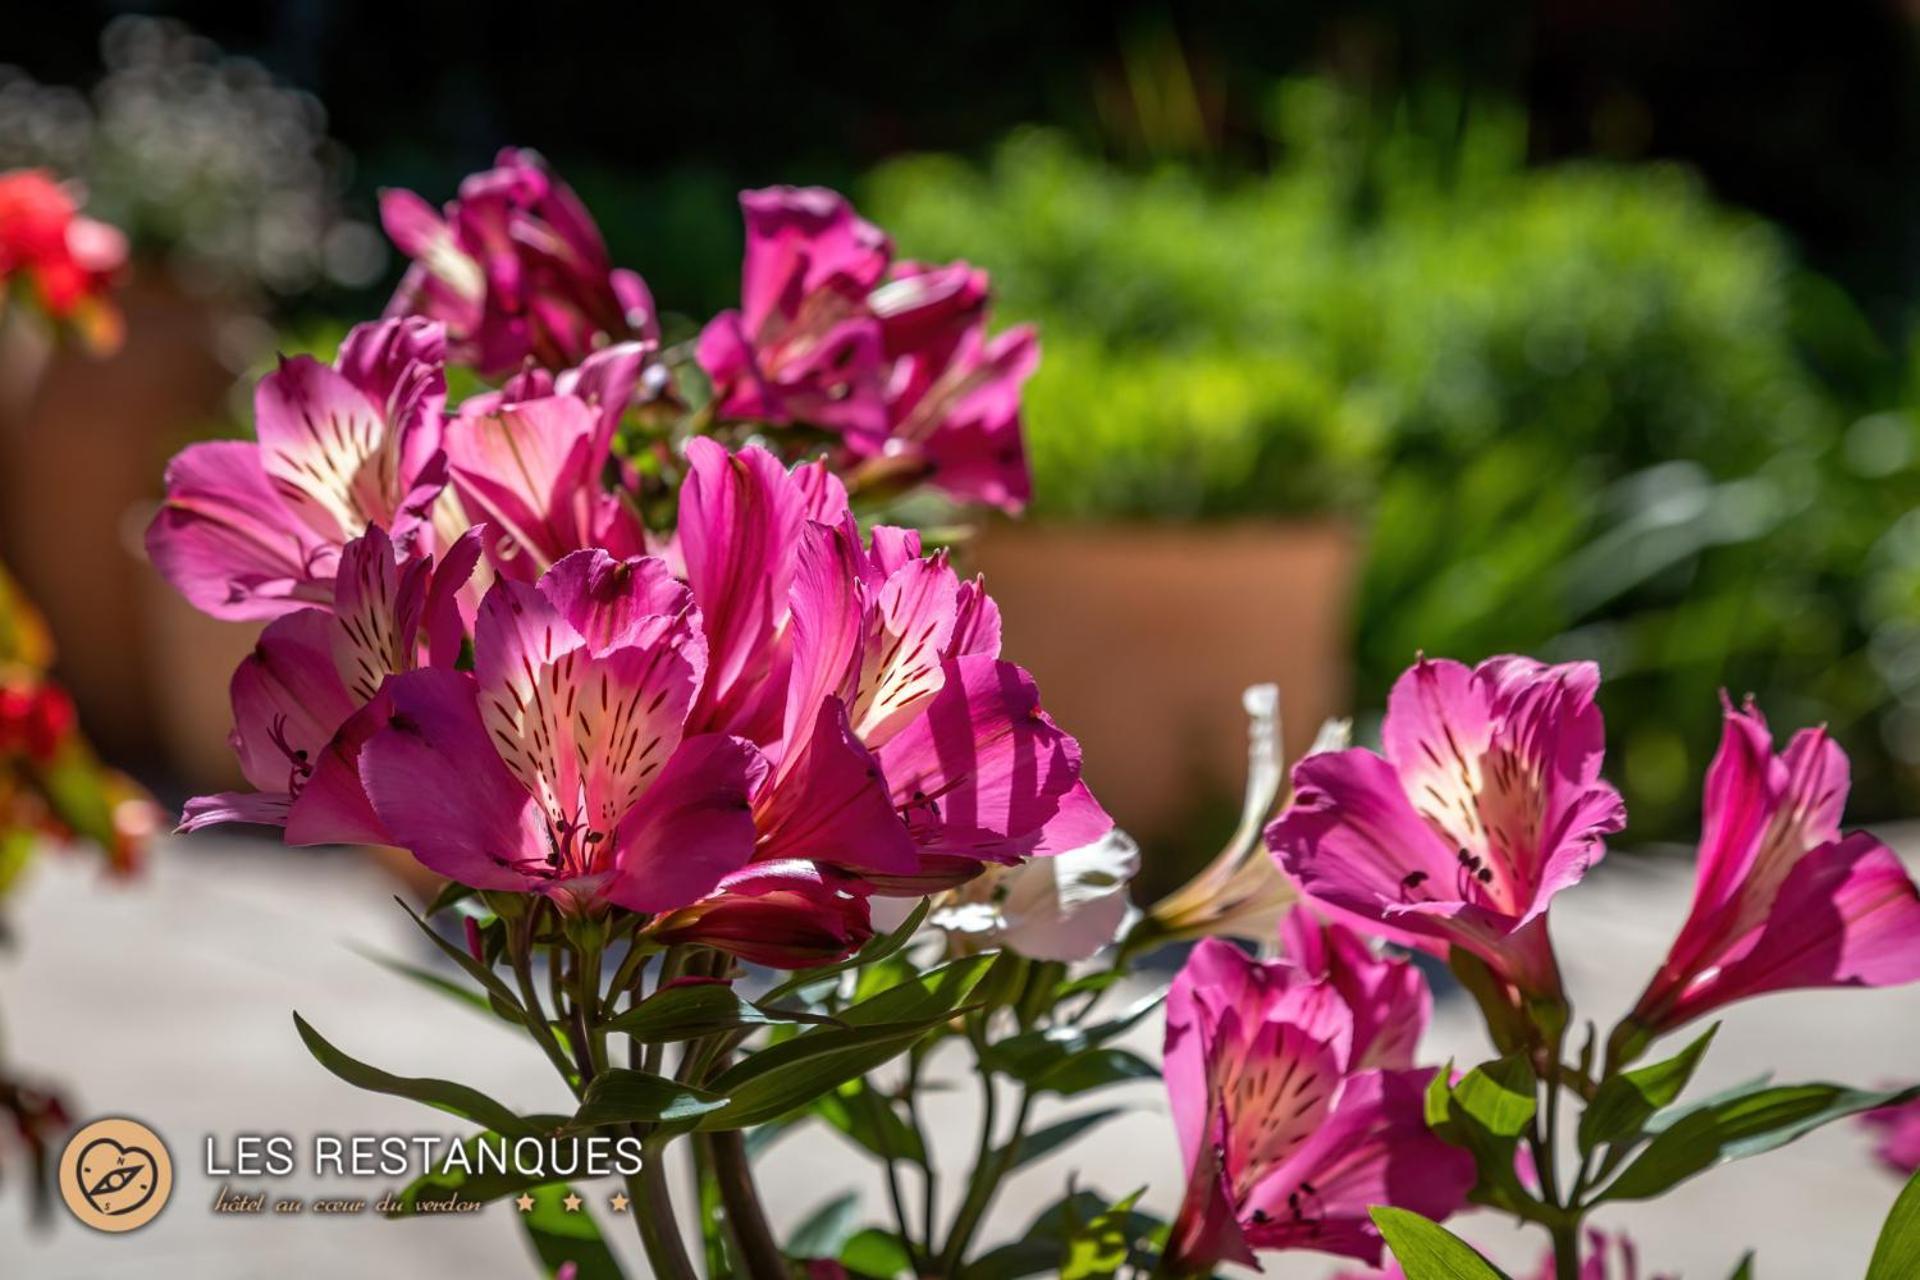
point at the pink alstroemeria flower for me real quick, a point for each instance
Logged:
(1899, 1130)
(896, 663)
(894, 357)
(561, 766)
(1487, 803)
(528, 461)
(952, 392)
(1782, 898)
(254, 530)
(515, 269)
(313, 671)
(1290, 1134)
(904, 755)
(804, 347)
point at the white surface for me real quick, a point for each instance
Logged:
(168, 1000)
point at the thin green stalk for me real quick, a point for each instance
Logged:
(519, 955)
(990, 1167)
(659, 1228)
(1566, 1250)
(760, 1255)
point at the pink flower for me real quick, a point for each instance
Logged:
(804, 347)
(254, 530)
(515, 269)
(1290, 1134)
(904, 755)
(562, 765)
(528, 461)
(1899, 1130)
(892, 357)
(953, 392)
(310, 675)
(1782, 898)
(1388, 999)
(1487, 803)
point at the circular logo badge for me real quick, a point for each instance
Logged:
(116, 1175)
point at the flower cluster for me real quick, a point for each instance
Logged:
(61, 262)
(1488, 801)
(893, 357)
(1294, 1089)
(743, 728)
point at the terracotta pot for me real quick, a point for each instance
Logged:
(82, 447)
(1142, 638)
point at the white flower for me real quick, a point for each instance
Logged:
(1063, 908)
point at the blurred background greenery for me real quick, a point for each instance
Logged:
(1594, 320)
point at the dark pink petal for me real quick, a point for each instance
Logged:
(740, 520)
(789, 915)
(1375, 1150)
(444, 621)
(532, 471)
(828, 606)
(983, 773)
(976, 624)
(828, 803)
(1389, 999)
(333, 807)
(227, 543)
(801, 240)
(378, 608)
(441, 792)
(691, 828)
(287, 702)
(1848, 915)
(612, 603)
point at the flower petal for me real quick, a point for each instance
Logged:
(227, 543)
(677, 842)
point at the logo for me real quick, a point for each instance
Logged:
(116, 1175)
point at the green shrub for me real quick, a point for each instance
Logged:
(1574, 407)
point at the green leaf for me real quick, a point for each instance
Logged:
(441, 985)
(1032, 1054)
(793, 1073)
(459, 1099)
(1099, 1249)
(1745, 1270)
(480, 973)
(1498, 1096)
(1428, 1251)
(620, 1096)
(1734, 1126)
(825, 1231)
(1095, 1069)
(1897, 1255)
(695, 1010)
(874, 952)
(868, 1119)
(451, 894)
(1038, 1249)
(1490, 1093)
(1626, 1102)
(1043, 1142)
(559, 1237)
(873, 1252)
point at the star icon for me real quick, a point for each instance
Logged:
(572, 1202)
(524, 1203)
(619, 1202)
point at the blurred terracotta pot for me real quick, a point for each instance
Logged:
(82, 446)
(1142, 638)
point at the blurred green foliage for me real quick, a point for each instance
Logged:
(1582, 410)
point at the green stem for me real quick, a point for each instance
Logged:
(989, 1170)
(1566, 1249)
(760, 1255)
(659, 1229)
(519, 951)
